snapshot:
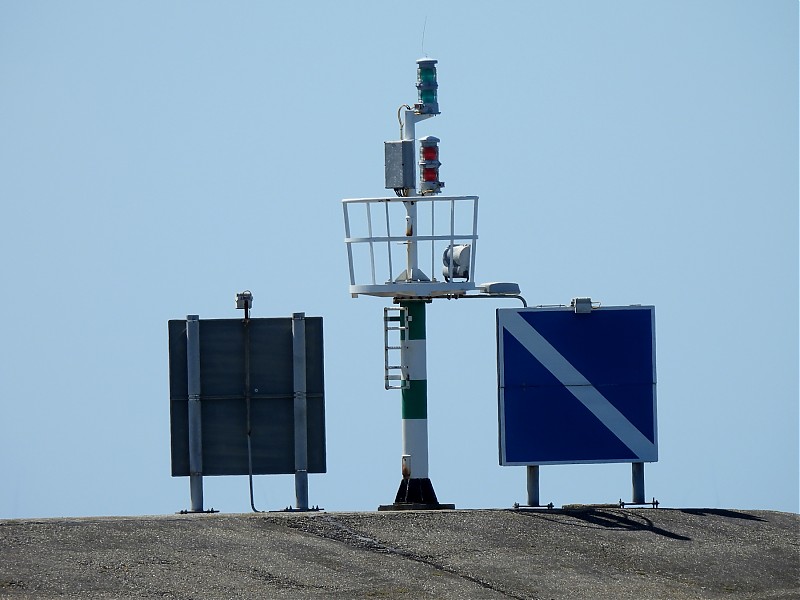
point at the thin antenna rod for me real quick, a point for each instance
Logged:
(424, 25)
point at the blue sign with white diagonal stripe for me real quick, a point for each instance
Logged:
(577, 387)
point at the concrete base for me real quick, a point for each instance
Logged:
(680, 554)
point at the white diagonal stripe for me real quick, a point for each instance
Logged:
(578, 385)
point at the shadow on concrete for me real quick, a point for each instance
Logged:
(720, 512)
(596, 518)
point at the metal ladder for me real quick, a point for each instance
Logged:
(394, 322)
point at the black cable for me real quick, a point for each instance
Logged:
(247, 402)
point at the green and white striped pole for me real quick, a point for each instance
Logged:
(416, 487)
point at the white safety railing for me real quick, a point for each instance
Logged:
(395, 245)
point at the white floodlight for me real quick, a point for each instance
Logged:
(499, 288)
(456, 262)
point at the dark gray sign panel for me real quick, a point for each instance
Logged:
(223, 400)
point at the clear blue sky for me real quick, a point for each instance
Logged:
(157, 157)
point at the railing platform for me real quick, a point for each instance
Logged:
(380, 235)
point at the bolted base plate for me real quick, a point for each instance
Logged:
(415, 506)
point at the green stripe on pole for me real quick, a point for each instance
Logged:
(416, 312)
(415, 400)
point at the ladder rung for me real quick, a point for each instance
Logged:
(394, 319)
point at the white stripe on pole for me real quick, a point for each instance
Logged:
(414, 353)
(415, 443)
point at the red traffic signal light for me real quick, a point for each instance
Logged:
(429, 165)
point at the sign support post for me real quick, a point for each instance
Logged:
(637, 476)
(533, 485)
(195, 420)
(300, 411)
